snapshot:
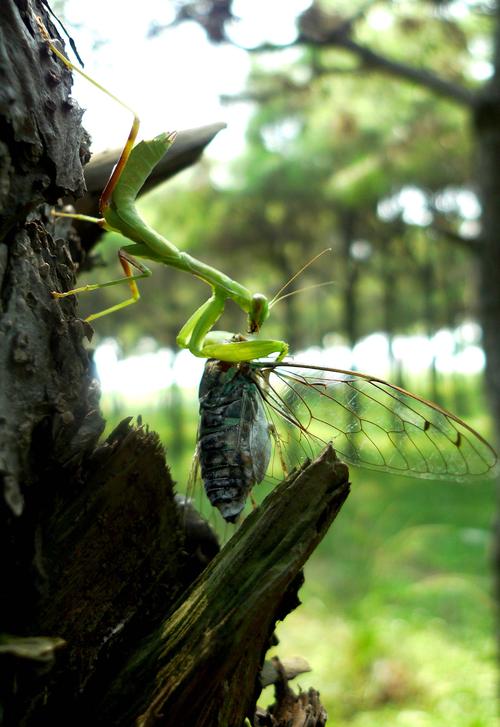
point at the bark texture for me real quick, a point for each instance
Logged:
(49, 418)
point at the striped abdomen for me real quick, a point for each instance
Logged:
(234, 446)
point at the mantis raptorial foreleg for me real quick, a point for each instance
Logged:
(118, 213)
(197, 336)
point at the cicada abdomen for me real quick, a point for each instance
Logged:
(234, 444)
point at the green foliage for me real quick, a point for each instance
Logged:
(398, 607)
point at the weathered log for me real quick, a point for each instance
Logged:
(289, 709)
(208, 653)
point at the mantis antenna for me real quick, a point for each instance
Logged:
(303, 290)
(278, 295)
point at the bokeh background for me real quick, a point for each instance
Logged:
(322, 150)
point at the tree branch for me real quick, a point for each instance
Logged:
(320, 29)
(376, 61)
(419, 76)
(471, 244)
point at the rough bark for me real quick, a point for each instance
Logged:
(43, 145)
(48, 399)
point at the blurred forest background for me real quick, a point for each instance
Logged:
(362, 134)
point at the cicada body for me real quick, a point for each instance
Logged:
(234, 446)
(370, 423)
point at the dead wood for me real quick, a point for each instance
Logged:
(289, 709)
(211, 648)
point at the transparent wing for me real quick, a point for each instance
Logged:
(370, 423)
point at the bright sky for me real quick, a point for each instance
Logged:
(173, 81)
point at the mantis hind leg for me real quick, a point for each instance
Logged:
(127, 262)
(83, 218)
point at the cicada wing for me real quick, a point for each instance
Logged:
(371, 423)
(259, 440)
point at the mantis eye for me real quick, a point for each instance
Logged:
(258, 312)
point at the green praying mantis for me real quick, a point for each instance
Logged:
(371, 422)
(118, 213)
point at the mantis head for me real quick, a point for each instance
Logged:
(258, 312)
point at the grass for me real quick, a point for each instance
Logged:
(398, 616)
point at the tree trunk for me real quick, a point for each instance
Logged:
(350, 326)
(389, 278)
(487, 126)
(96, 622)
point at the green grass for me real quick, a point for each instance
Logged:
(398, 616)
(398, 619)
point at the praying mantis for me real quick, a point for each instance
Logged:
(371, 422)
(118, 213)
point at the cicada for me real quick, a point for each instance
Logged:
(369, 422)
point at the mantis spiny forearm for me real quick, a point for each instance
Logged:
(119, 213)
